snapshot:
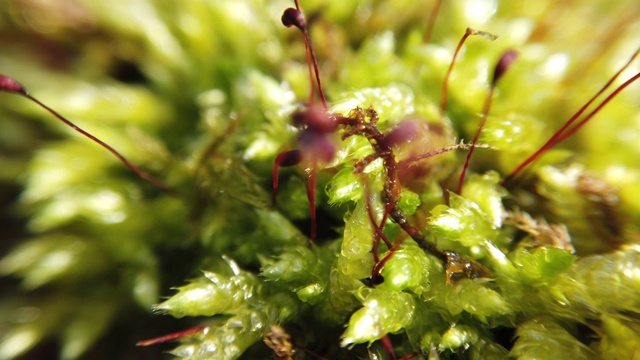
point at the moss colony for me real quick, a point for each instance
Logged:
(202, 94)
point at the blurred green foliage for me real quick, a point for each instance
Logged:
(200, 93)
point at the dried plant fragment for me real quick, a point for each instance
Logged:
(541, 232)
(278, 340)
(364, 122)
(603, 213)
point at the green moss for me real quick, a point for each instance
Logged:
(201, 93)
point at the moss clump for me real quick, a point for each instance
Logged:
(201, 93)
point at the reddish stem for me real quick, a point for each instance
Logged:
(376, 239)
(445, 83)
(357, 124)
(483, 119)
(388, 346)
(10, 85)
(300, 23)
(432, 21)
(307, 41)
(560, 135)
(141, 174)
(504, 64)
(285, 158)
(172, 336)
(311, 195)
(582, 122)
(377, 228)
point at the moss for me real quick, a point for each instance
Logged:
(201, 93)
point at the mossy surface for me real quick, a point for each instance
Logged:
(200, 93)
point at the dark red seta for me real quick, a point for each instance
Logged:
(317, 128)
(173, 336)
(12, 86)
(505, 62)
(567, 130)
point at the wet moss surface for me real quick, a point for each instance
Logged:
(201, 94)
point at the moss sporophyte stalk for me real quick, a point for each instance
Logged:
(374, 179)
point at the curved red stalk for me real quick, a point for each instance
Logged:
(432, 21)
(285, 158)
(604, 102)
(505, 62)
(377, 268)
(563, 132)
(172, 336)
(307, 41)
(356, 124)
(483, 119)
(364, 123)
(306, 50)
(445, 83)
(314, 131)
(377, 228)
(388, 346)
(312, 90)
(311, 195)
(290, 19)
(10, 85)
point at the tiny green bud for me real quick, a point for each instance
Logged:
(210, 295)
(457, 337)
(383, 312)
